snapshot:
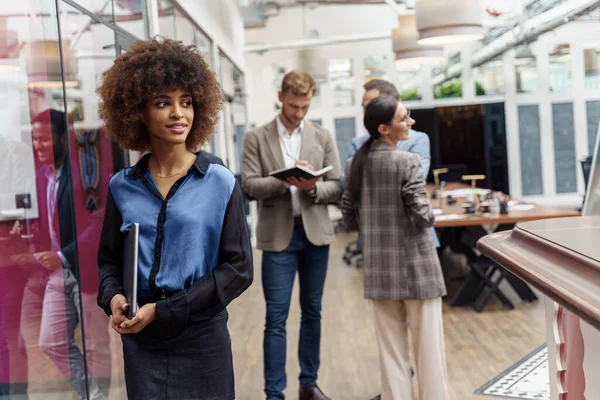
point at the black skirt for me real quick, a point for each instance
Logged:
(193, 364)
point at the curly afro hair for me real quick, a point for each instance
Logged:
(151, 67)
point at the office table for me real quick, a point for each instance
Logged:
(451, 216)
(453, 224)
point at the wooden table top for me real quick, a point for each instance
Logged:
(449, 216)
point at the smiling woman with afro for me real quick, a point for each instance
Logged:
(194, 253)
(151, 67)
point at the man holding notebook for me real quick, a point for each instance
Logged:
(293, 229)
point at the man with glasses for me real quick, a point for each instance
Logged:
(417, 143)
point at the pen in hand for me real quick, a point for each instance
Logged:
(291, 156)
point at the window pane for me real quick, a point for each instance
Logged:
(55, 166)
(489, 78)
(204, 45)
(560, 67)
(527, 76)
(184, 29)
(29, 68)
(342, 81)
(376, 68)
(409, 82)
(591, 60)
(446, 78)
(239, 111)
(226, 74)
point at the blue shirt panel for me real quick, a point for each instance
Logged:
(192, 228)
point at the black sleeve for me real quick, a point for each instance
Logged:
(214, 291)
(110, 254)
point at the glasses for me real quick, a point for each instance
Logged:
(407, 117)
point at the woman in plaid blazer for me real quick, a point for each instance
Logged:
(385, 198)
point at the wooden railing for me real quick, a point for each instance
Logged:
(561, 258)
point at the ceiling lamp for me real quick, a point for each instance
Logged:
(404, 41)
(44, 69)
(442, 22)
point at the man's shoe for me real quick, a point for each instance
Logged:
(312, 393)
(378, 397)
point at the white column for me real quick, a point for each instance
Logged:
(511, 116)
(546, 127)
(579, 109)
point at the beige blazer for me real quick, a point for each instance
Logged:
(262, 154)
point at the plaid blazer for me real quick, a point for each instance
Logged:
(400, 259)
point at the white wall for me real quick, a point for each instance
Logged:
(292, 24)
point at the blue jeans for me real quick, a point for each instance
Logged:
(278, 273)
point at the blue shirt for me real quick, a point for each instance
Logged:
(194, 247)
(417, 143)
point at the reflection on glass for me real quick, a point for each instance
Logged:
(409, 81)
(342, 81)
(527, 76)
(560, 68)
(446, 78)
(376, 68)
(129, 15)
(591, 61)
(54, 169)
(489, 78)
(444, 86)
(36, 335)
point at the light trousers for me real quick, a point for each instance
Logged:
(393, 320)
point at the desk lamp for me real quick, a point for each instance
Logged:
(476, 200)
(436, 179)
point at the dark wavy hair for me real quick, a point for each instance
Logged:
(151, 67)
(379, 111)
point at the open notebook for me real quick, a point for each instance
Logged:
(299, 172)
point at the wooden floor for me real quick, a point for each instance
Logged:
(479, 346)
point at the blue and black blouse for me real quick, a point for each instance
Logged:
(195, 255)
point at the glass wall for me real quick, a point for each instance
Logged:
(55, 342)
